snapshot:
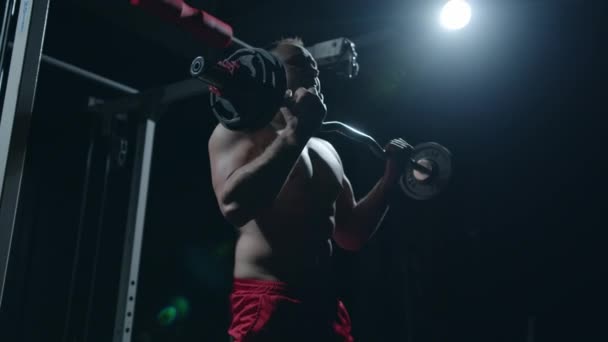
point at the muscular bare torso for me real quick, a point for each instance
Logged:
(291, 241)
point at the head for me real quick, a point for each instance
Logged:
(300, 66)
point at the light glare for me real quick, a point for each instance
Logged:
(455, 15)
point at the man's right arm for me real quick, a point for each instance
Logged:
(245, 181)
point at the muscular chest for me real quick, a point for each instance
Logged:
(316, 177)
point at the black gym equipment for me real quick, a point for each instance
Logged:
(439, 158)
(250, 81)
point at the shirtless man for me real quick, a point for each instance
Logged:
(286, 193)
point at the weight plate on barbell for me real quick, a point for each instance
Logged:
(256, 92)
(441, 160)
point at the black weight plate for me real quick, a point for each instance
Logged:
(441, 159)
(256, 94)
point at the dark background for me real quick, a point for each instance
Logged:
(514, 247)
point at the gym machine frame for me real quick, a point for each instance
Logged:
(18, 103)
(19, 93)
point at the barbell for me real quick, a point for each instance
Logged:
(247, 89)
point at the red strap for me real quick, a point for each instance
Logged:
(201, 24)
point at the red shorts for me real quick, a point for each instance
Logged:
(270, 311)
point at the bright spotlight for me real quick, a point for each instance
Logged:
(455, 15)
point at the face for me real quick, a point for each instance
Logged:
(301, 68)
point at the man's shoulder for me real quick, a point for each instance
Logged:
(220, 133)
(224, 139)
(221, 136)
(324, 145)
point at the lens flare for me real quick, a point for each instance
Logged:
(455, 15)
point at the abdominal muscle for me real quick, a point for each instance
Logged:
(292, 252)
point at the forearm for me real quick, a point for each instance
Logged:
(255, 185)
(366, 216)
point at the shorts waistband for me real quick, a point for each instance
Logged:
(258, 286)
